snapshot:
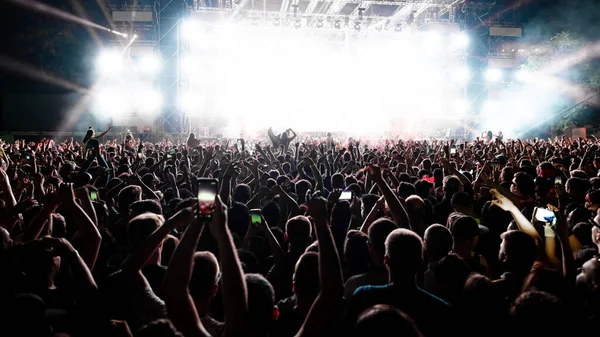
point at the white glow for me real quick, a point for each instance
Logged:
(149, 100)
(253, 73)
(493, 75)
(523, 75)
(189, 29)
(150, 64)
(490, 107)
(109, 62)
(461, 74)
(111, 102)
(461, 107)
(188, 101)
(461, 40)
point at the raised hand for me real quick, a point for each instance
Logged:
(317, 209)
(502, 201)
(66, 193)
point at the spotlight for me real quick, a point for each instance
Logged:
(461, 40)
(461, 107)
(461, 74)
(276, 22)
(188, 101)
(522, 75)
(398, 28)
(490, 107)
(189, 29)
(149, 101)
(109, 62)
(320, 24)
(297, 24)
(337, 24)
(493, 75)
(357, 26)
(150, 64)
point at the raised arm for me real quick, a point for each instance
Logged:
(180, 305)
(86, 229)
(398, 212)
(330, 274)
(233, 284)
(103, 133)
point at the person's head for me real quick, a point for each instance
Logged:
(465, 232)
(406, 189)
(242, 193)
(298, 232)
(463, 203)
(270, 212)
(337, 181)
(262, 311)
(437, 242)
(546, 280)
(141, 227)
(451, 185)
(423, 188)
(128, 196)
(482, 301)
(144, 206)
(588, 280)
(306, 278)
(357, 258)
(238, 219)
(523, 185)
(403, 254)
(383, 320)
(415, 206)
(596, 230)
(533, 313)
(517, 251)
(368, 202)
(204, 282)
(158, 328)
(301, 187)
(578, 187)
(378, 233)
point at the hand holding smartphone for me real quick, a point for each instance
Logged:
(207, 192)
(256, 217)
(346, 195)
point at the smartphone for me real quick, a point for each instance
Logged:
(139, 155)
(346, 195)
(255, 217)
(453, 151)
(94, 195)
(207, 192)
(557, 181)
(544, 215)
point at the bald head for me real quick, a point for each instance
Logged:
(438, 242)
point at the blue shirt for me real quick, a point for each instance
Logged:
(431, 314)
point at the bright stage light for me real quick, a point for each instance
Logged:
(150, 64)
(188, 101)
(109, 62)
(189, 29)
(461, 107)
(461, 74)
(523, 75)
(461, 40)
(110, 102)
(149, 100)
(433, 42)
(490, 107)
(493, 75)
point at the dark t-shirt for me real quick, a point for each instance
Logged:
(431, 314)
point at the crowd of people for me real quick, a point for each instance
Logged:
(304, 237)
